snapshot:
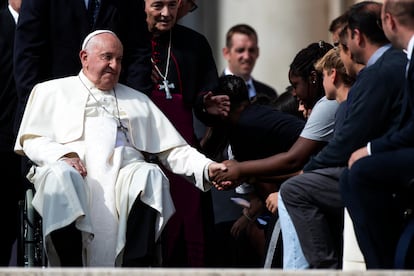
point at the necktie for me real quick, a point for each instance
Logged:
(252, 93)
(93, 9)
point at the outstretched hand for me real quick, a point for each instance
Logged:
(228, 178)
(232, 172)
(214, 169)
(217, 105)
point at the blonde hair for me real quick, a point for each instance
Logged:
(332, 60)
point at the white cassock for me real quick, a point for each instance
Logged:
(62, 117)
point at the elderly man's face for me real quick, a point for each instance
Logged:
(161, 14)
(101, 61)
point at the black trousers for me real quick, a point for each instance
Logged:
(373, 192)
(141, 249)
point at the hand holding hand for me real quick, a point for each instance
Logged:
(232, 173)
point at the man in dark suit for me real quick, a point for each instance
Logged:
(50, 32)
(8, 100)
(313, 199)
(382, 169)
(241, 52)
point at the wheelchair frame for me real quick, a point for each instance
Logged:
(31, 251)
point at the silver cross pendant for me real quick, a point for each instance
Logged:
(166, 86)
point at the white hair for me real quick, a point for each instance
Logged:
(95, 33)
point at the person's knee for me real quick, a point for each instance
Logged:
(289, 190)
(354, 176)
(154, 169)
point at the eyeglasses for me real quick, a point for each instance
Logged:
(193, 5)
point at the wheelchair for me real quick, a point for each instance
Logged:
(30, 247)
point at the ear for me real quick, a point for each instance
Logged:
(358, 37)
(83, 56)
(226, 53)
(392, 21)
(313, 77)
(333, 76)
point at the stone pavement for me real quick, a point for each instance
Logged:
(20, 271)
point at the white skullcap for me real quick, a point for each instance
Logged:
(92, 34)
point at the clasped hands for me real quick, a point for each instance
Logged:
(225, 175)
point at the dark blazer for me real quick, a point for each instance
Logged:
(8, 98)
(373, 109)
(264, 90)
(404, 137)
(49, 35)
(10, 169)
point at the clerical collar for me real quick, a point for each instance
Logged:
(90, 85)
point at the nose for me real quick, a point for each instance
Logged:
(165, 11)
(114, 63)
(246, 55)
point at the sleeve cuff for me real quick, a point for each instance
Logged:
(369, 148)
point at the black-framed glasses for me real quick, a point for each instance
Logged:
(193, 5)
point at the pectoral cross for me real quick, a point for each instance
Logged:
(166, 86)
(124, 130)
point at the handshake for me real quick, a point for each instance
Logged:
(225, 175)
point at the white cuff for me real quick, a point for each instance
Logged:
(369, 148)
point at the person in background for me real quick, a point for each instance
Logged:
(336, 27)
(286, 102)
(184, 75)
(253, 131)
(12, 183)
(312, 199)
(382, 171)
(308, 88)
(241, 52)
(101, 203)
(336, 83)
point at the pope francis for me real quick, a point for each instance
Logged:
(101, 203)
